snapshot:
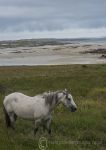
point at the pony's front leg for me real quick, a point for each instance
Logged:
(37, 122)
(49, 126)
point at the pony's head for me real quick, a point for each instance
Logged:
(67, 100)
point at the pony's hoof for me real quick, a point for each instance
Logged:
(49, 131)
(35, 131)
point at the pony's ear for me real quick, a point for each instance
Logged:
(65, 90)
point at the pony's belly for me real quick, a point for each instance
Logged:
(25, 114)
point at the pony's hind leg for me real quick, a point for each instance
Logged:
(12, 119)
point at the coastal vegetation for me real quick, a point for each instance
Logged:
(83, 130)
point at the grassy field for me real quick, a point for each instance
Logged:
(82, 130)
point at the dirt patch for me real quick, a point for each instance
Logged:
(17, 52)
(86, 45)
(96, 51)
(103, 56)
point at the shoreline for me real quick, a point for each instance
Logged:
(53, 55)
(57, 65)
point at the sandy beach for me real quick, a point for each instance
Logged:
(74, 53)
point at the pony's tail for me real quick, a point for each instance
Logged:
(7, 118)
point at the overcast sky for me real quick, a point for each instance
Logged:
(52, 18)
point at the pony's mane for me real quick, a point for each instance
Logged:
(51, 97)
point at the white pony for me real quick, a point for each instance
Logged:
(37, 108)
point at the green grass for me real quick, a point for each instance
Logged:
(82, 130)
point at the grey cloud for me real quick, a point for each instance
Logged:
(51, 15)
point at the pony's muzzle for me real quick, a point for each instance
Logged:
(73, 109)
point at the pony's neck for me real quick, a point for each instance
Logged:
(57, 101)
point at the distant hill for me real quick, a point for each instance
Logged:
(42, 42)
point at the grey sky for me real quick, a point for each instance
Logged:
(18, 17)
